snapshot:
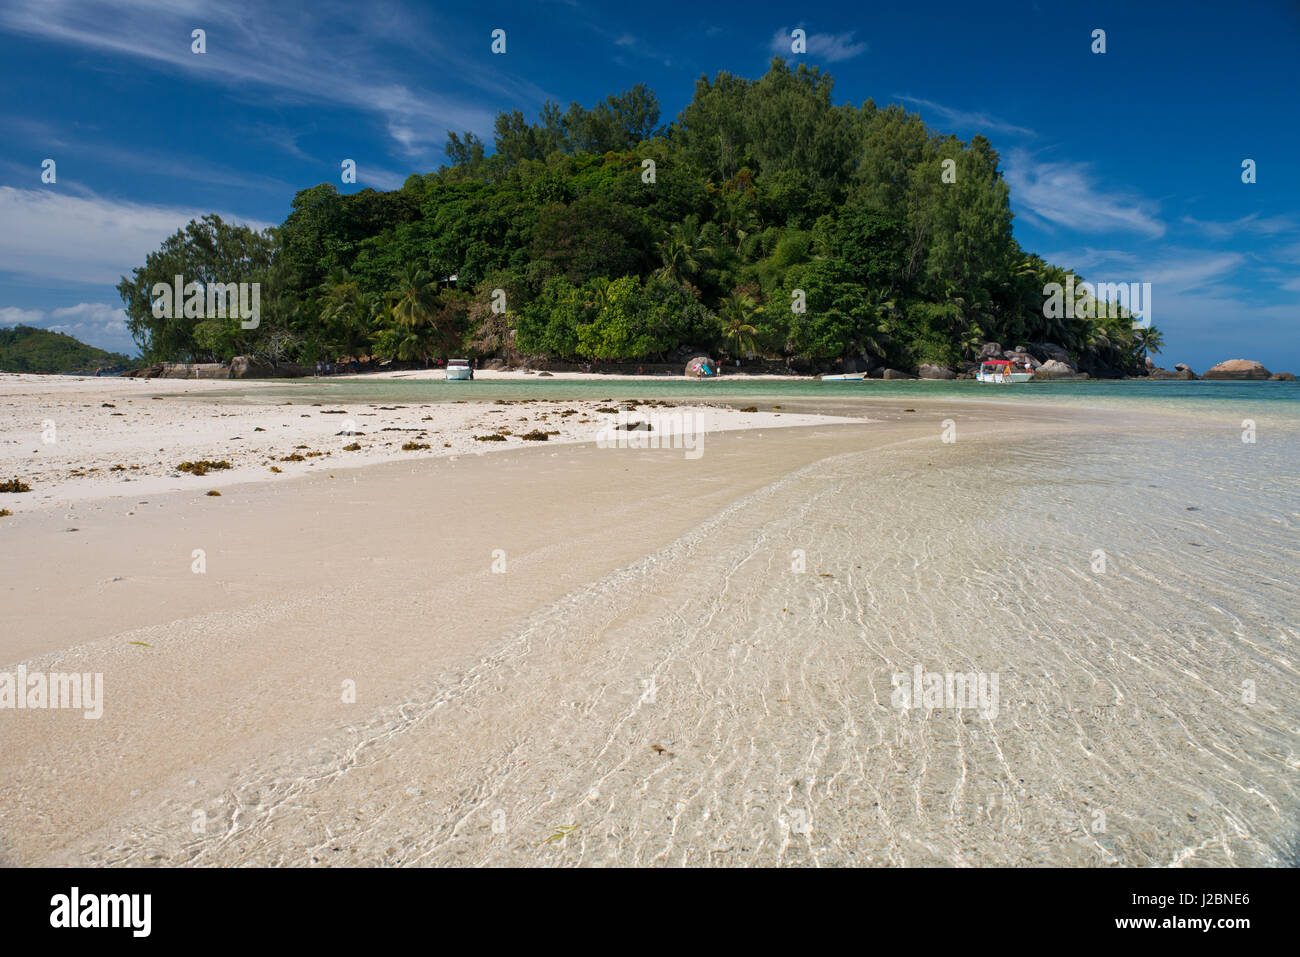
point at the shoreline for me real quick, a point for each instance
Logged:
(94, 456)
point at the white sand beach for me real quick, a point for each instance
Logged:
(560, 654)
(86, 439)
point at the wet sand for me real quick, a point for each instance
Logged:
(609, 656)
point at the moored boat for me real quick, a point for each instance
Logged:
(845, 377)
(459, 370)
(1003, 372)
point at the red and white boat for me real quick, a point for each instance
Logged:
(1003, 372)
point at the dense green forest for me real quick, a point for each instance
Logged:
(28, 349)
(764, 221)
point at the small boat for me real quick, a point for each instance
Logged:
(845, 377)
(1002, 372)
(459, 370)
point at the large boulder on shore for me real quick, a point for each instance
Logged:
(701, 367)
(1237, 369)
(929, 371)
(251, 367)
(145, 372)
(1183, 367)
(254, 367)
(1054, 369)
(1282, 377)
(1021, 358)
(895, 374)
(991, 350)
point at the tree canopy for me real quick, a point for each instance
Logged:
(596, 233)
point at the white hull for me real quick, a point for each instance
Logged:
(845, 377)
(462, 374)
(1004, 378)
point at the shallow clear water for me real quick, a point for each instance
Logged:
(1228, 398)
(1147, 706)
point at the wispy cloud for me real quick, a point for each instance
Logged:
(83, 239)
(1172, 268)
(1066, 194)
(282, 50)
(380, 178)
(966, 120)
(831, 47)
(1252, 224)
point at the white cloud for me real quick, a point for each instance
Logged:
(95, 323)
(831, 47)
(84, 239)
(1064, 194)
(380, 178)
(13, 316)
(281, 49)
(1189, 272)
(1171, 270)
(1254, 223)
(962, 119)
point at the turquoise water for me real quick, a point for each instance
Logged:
(436, 390)
(1276, 400)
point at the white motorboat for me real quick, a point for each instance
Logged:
(459, 370)
(845, 377)
(1002, 372)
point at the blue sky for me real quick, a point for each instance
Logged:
(1125, 165)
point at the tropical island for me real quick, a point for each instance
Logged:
(766, 224)
(32, 350)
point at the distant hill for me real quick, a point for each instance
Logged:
(28, 349)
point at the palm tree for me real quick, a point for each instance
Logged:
(1147, 340)
(683, 251)
(347, 312)
(413, 303)
(600, 292)
(737, 309)
(737, 217)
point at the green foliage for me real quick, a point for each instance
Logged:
(28, 349)
(899, 237)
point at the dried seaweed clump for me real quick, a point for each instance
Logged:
(15, 485)
(490, 438)
(202, 466)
